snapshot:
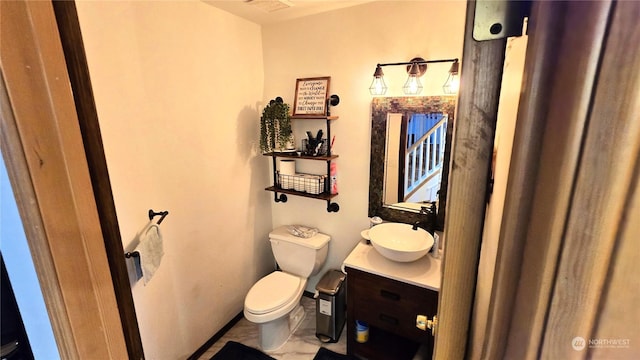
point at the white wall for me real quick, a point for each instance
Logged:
(177, 87)
(347, 44)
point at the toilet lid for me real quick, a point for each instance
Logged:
(271, 292)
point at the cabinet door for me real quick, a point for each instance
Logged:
(388, 305)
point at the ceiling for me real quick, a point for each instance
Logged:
(273, 11)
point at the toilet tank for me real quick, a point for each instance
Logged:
(299, 256)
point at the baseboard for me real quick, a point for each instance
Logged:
(308, 294)
(217, 336)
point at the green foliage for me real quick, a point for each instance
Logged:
(275, 126)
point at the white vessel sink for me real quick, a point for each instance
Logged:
(399, 242)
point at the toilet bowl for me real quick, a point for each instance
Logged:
(273, 303)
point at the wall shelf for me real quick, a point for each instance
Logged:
(315, 117)
(296, 156)
(321, 196)
(280, 194)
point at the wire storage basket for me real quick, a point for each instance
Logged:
(309, 183)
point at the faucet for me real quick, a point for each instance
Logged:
(429, 223)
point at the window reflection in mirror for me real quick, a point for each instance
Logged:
(409, 155)
(414, 158)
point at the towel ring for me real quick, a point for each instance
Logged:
(152, 214)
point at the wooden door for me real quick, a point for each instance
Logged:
(565, 284)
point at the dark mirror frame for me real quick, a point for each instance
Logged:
(406, 106)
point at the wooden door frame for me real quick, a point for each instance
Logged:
(74, 53)
(471, 155)
(45, 159)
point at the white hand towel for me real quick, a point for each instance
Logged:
(151, 251)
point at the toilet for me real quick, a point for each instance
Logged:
(274, 301)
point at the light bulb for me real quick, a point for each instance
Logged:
(412, 86)
(452, 85)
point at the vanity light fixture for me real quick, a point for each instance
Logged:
(416, 67)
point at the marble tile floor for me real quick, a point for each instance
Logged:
(302, 344)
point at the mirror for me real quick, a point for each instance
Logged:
(410, 148)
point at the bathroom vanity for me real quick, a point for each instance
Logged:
(389, 296)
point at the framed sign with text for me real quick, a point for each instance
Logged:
(311, 96)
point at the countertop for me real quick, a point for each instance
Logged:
(424, 272)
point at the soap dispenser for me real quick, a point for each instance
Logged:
(435, 251)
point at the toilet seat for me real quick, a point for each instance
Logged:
(272, 292)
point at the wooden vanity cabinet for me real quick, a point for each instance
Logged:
(390, 308)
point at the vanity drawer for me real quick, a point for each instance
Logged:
(390, 305)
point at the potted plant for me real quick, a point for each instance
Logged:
(275, 126)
